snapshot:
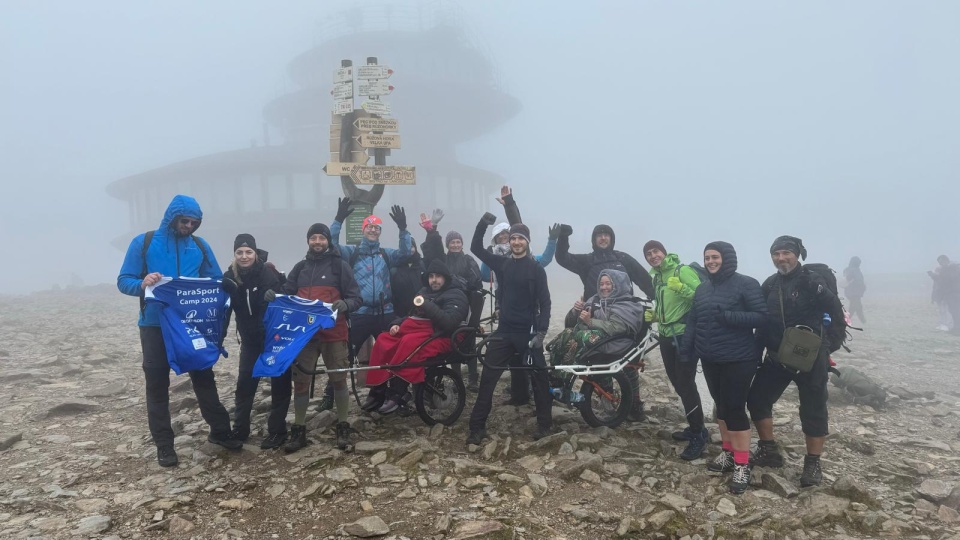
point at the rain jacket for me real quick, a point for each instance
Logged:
(447, 308)
(589, 265)
(726, 309)
(327, 277)
(619, 313)
(671, 306)
(168, 254)
(372, 271)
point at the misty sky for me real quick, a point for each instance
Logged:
(838, 122)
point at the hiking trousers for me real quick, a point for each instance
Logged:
(504, 352)
(156, 372)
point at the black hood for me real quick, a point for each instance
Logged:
(438, 267)
(603, 229)
(729, 265)
(262, 254)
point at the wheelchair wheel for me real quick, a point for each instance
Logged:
(607, 400)
(441, 397)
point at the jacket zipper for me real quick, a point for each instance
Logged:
(249, 307)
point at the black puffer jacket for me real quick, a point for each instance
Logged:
(806, 297)
(447, 308)
(247, 301)
(406, 279)
(726, 309)
(589, 265)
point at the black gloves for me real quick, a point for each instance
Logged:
(537, 341)
(399, 216)
(566, 230)
(554, 232)
(269, 296)
(343, 209)
(229, 285)
(339, 306)
(488, 219)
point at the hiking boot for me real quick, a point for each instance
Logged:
(298, 439)
(515, 402)
(723, 462)
(374, 401)
(687, 433)
(477, 437)
(542, 432)
(326, 404)
(240, 435)
(638, 414)
(275, 440)
(812, 473)
(227, 442)
(767, 455)
(167, 456)
(694, 449)
(740, 479)
(343, 436)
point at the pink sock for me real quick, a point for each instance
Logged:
(727, 447)
(741, 458)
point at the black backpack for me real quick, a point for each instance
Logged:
(838, 330)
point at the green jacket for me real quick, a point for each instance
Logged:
(670, 310)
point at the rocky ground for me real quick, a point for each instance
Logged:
(76, 460)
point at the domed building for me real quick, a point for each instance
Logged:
(448, 91)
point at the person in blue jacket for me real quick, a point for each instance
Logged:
(371, 264)
(172, 250)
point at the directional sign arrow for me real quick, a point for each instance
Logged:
(376, 107)
(375, 88)
(377, 124)
(343, 90)
(384, 174)
(373, 72)
(371, 140)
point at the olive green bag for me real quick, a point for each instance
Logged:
(800, 345)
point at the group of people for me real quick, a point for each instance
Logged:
(708, 313)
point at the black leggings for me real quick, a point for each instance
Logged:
(683, 377)
(729, 384)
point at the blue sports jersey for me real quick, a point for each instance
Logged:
(191, 319)
(290, 322)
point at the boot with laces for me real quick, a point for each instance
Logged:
(723, 463)
(167, 456)
(298, 439)
(274, 440)
(812, 473)
(741, 478)
(695, 447)
(343, 436)
(767, 455)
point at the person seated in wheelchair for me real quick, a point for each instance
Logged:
(614, 311)
(439, 309)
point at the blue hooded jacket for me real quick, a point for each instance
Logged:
(168, 254)
(371, 271)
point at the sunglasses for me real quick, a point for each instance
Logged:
(191, 222)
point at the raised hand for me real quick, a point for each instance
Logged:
(343, 209)
(505, 192)
(399, 216)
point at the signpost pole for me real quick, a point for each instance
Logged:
(379, 154)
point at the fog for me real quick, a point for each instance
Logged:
(835, 122)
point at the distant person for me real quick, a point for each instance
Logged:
(855, 287)
(322, 275)
(726, 309)
(675, 285)
(247, 281)
(406, 280)
(946, 293)
(795, 296)
(588, 266)
(172, 250)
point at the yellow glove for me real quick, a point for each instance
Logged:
(649, 315)
(673, 283)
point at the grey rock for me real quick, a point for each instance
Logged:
(10, 439)
(367, 527)
(111, 389)
(372, 447)
(934, 490)
(93, 525)
(531, 463)
(411, 459)
(675, 501)
(547, 443)
(477, 529)
(572, 470)
(538, 483)
(725, 506)
(91, 505)
(848, 488)
(186, 402)
(953, 499)
(322, 421)
(179, 525)
(72, 407)
(779, 485)
(947, 514)
(659, 519)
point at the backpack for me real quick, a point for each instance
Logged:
(837, 331)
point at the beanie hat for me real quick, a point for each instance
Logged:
(452, 235)
(245, 240)
(520, 229)
(372, 220)
(318, 228)
(789, 243)
(653, 244)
